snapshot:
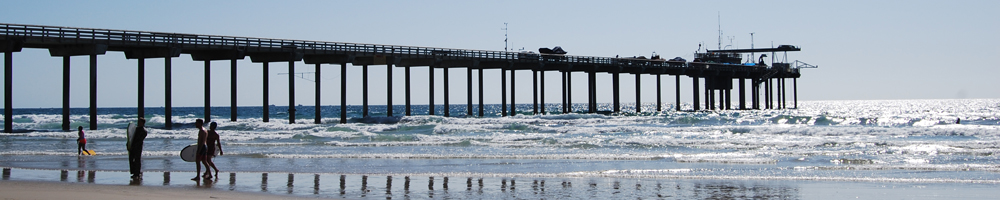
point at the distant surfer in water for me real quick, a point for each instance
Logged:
(213, 143)
(202, 154)
(135, 151)
(81, 143)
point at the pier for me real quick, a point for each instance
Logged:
(718, 77)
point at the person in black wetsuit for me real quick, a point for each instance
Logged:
(135, 151)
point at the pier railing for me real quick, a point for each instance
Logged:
(40, 36)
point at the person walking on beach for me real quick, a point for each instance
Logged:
(135, 151)
(213, 143)
(81, 143)
(202, 154)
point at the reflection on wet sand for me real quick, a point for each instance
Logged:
(291, 179)
(263, 182)
(232, 181)
(359, 186)
(316, 183)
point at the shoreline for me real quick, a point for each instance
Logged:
(80, 184)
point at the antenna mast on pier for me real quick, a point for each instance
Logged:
(751, 46)
(720, 29)
(504, 36)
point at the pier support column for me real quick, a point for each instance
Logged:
(406, 88)
(513, 92)
(364, 91)
(343, 93)
(779, 90)
(167, 114)
(447, 93)
(614, 81)
(541, 97)
(503, 92)
(763, 92)
(677, 92)
(65, 99)
(729, 101)
(266, 107)
(291, 92)
(638, 101)
(8, 79)
(659, 94)
(481, 109)
(784, 94)
(771, 96)
(592, 92)
(756, 94)
(743, 97)
(388, 89)
(709, 100)
(712, 99)
(430, 104)
(93, 90)
(468, 91)
(208, 91)
(318, 117)
(534, 92)
(777, 94)
(564, 105)
(753, 94)
(696, 102)
(724, 99)
(232, 90)
(141, 104)
(795, 92)
(569, 92)
(770, 93)
(767, 94)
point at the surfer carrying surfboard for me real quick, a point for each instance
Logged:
(202, 150)
(81, 143)
(135, 148)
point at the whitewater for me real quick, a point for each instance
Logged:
(869, 141)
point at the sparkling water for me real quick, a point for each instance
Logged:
(903, 141)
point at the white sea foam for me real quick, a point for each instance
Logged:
(818, 141)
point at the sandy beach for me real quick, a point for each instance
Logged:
(82, 191)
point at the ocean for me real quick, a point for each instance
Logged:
(736, 154)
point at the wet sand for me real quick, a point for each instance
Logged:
(65, 184)
(83, 191)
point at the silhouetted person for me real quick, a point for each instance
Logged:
(202, 154)
(958, 120)
(213, 143)
(81, 143)
(135, 151)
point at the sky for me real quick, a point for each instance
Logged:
(865, 50)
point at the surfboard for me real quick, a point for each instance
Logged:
(89, 153)
(128, 136)
(189, 153)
